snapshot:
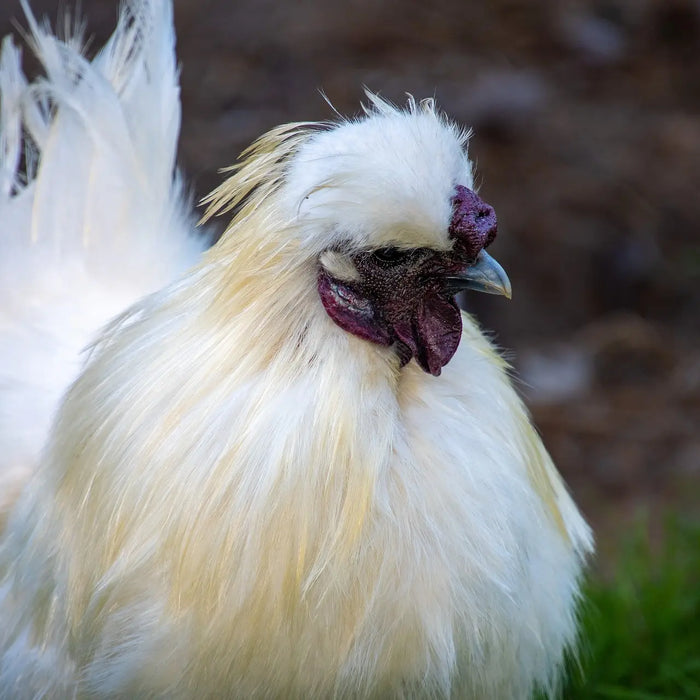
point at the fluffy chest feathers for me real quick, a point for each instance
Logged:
(305, 520)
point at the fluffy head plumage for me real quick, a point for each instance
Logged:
(385, 179)
(384, 203)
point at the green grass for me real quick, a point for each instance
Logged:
(641, 625)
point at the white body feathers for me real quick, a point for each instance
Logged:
(238, 498)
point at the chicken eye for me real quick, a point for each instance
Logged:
(391, 256)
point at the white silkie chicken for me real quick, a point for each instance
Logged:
(291, 471)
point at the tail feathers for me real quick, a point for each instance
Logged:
(12, 86)
(91, 215)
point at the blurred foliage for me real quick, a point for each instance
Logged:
(641, 625)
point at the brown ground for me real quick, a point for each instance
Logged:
(587, 140)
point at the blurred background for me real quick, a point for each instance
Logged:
(586, 118)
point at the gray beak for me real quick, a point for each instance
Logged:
(485, 275)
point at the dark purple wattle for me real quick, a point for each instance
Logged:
(432, 334)
(406, 304)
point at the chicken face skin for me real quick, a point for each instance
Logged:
(406, 297)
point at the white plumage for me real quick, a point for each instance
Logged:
(237, 497)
